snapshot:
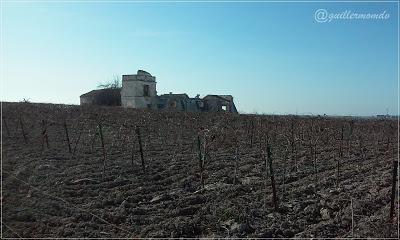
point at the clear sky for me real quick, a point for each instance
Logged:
(272, 57)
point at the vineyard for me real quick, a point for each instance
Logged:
(110, 172)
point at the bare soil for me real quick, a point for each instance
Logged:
(48, 192)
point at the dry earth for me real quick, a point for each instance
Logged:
(48, 192)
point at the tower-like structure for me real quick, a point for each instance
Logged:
(139, 90)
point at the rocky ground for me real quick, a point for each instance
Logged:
(49, 192)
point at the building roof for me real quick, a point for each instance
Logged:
(141, 75)
(143, 72)
(97, 92)
(223, 97)
(174, 95)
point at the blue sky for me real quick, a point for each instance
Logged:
(272, 57)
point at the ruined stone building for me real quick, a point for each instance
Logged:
(105, 97)
(139, 91)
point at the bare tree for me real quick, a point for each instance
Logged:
(114, 83)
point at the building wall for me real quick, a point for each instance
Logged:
(132, 94)
(213, 105)
(216, 103)
(103, 97)
(172, 102)
(86, 100)
(139, 102)
(195, 105)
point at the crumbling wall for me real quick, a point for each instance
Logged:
(133, 91)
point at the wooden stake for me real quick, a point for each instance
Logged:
(205, 152)
(393, 197)
(252, 134)
(94, 136)
(132, 154)
(338, 172)
(6, 126)
(341, 143)
(266, 164)
(388, 144)
(77, 141)
(348, 146)
(200, 160)
(67, 137)
(102, 146)
(284, 173)
(352, 217)
(140, 148)
(44, 136)
(236, 166)
(274, 197)
(315, 167)
(199, 149)
(293, 157)
(203, 160)
(22, 129)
